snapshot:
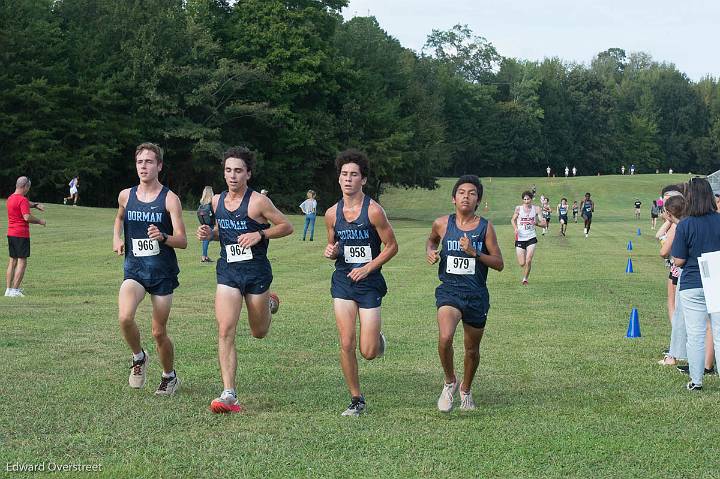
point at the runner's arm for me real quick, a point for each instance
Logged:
(118, 243)
(333, 248)
(493, 259)
(281, 226)
(513, 220)
(179, 238)
(433, 242)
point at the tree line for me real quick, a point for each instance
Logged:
(82, 82)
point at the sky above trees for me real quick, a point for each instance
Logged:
(683, 33)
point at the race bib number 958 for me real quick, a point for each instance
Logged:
(358, 254)
(460, 265)
(236, 253)
(145, 247)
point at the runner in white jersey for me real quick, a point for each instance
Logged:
(524, 219)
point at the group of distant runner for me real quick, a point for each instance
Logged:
(527, 216)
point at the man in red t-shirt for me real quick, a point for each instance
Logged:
(19, 219)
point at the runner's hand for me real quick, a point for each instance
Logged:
(358, 274)
(204, 233)
(154, 233)
(433, 256)
(249, 239)
(332, 250)
(119, 247)
(466, 245)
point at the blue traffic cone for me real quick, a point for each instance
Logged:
(638, 231)
(633, 330)
(629, 268)
(629, 248)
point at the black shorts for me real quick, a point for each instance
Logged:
(156, 287)
(564, 219)
(526, 243)
(18, 247)
(473, 306)
(653, 216)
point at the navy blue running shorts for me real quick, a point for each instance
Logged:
(368, 293)
(472, 306)
(255, 280)
(156, 287)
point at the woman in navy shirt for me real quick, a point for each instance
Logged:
(697, 233)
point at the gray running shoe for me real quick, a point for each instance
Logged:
(466, 400)
(356, 407)
(168, 386)
(383, 345)
(138, 372)
(445, 401)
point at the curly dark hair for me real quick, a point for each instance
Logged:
(244, 153)
(352, 155)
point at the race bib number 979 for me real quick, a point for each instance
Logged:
(460, 265)
(358, 254)
(145, 247)
(236, 253)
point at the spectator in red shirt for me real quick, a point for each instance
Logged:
(18, 235)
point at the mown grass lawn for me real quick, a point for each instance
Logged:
(560, 391)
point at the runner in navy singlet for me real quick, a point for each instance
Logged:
(468, 247)
(588, 208)
(150, 219)
(356, 227)
(243, 227)
(562, 211)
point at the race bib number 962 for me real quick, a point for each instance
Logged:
(460, 265)
(145, 247)
(358, 254)
(236, 253)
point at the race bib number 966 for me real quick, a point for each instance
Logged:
(460, 265)
(236, 253)
(145, 247)
(358, 254)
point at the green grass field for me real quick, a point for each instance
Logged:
(560, 391)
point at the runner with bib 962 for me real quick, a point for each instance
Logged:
(245, 222)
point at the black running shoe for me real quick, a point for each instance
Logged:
(686, 369)
(691, 386)
(356, 407)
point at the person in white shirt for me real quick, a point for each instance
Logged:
(524, 219)
(309, 209)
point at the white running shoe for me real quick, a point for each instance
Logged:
(445, 401)
(16, 293)
(7, 292)
(466, 400)
(138, 372)
(168, 386)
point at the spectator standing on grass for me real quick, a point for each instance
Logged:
(206, 199)
(18, 235)
(696, 234)
(654, 213)
(309, 209)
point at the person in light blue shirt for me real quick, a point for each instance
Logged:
(696, 234)
(309, 209)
